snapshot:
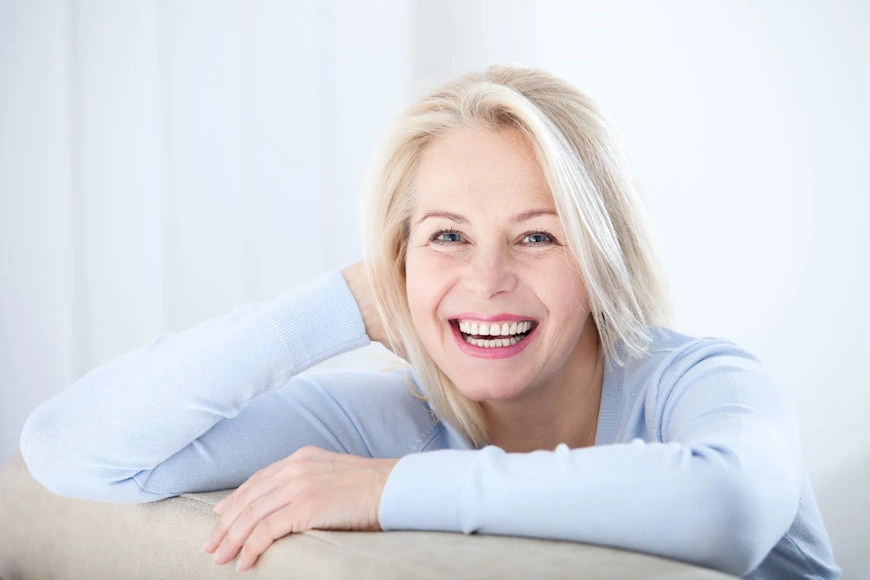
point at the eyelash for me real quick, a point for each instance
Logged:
(435, 236)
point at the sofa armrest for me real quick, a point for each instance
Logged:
(45, 536)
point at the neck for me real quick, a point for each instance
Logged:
(564, 409)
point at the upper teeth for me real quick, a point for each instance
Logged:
(494, 328)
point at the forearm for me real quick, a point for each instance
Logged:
(720, 488)
(133, 412)
(662, 499)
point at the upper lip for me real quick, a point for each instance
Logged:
(503, 317)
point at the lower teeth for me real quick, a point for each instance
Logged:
(494, 343)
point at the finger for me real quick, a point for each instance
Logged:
(233, 495)
(218, 507)
(308, 453)
(275, 526)
(244, 496)
(250, 516)
(258, 476)
(305, 461)
(243, 490)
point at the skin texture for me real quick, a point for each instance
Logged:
(310, 489)
(355, 277)
(550, 392)
(490, 264)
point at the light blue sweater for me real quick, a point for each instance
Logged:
(696, 455)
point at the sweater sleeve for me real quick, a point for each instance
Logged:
(717, 486)
(205, 408)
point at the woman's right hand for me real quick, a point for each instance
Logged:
(356, 279)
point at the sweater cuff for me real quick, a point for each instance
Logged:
(423, 491)
(317, 321)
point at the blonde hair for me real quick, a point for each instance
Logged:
(588, 175)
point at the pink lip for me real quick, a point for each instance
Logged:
(492, 353)
(482, 318)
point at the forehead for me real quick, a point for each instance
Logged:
(479, 168)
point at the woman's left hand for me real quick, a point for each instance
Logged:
(310, 489)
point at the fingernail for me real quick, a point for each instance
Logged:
(239, 566)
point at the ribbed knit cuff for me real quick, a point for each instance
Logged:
(317, 321)
(423, 491)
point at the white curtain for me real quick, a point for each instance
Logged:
(165, 162)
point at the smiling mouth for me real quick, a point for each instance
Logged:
(488, 341)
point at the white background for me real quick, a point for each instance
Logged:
(165, 162)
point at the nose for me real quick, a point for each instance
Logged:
(491, 271)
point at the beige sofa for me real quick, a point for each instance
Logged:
(44, 536)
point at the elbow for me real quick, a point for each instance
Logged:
(746, 523)
(57, 463)
(43, 453)
(51, 458)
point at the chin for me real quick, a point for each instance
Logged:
(490, 390)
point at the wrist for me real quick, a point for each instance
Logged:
(385, 467)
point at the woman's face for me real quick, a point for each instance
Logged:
(492, 288)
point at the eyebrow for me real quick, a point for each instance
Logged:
(520, 217)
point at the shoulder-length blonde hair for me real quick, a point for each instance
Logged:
(596, 200)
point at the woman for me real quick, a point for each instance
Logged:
(509, 261)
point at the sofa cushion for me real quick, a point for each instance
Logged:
(45, 536)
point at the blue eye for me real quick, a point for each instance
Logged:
(451, 237)
(542, 237)
(436, 237)
(536, 236)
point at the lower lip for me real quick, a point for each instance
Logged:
(495, 352)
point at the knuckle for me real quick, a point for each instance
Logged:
(297, 470)
(306, 451)
(263, 532)
(248, 515)
(269, 470)
(275, 469)
(220, 532)
(236, 535)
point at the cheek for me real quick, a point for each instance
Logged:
(424, 289)
(564, 296)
